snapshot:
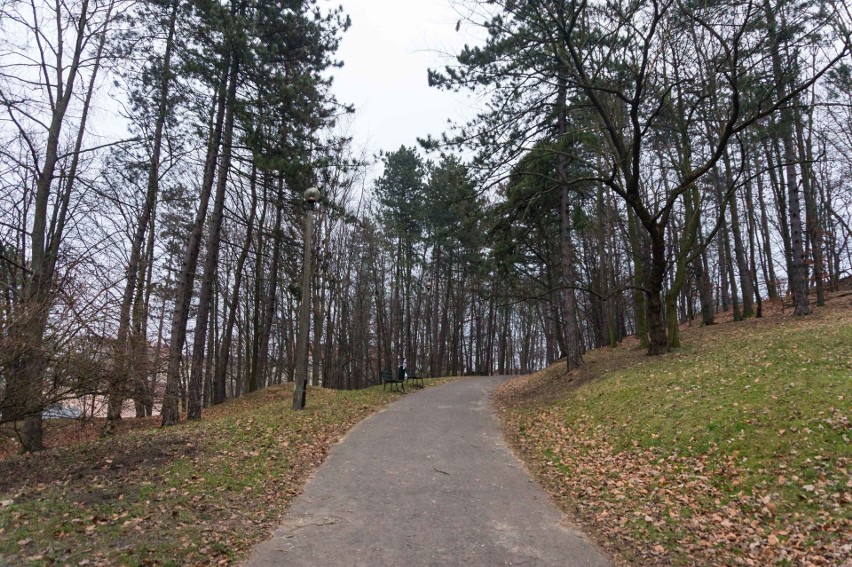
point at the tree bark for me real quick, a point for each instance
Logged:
(23, 397)
(769, 264)
(813, 226)
(573, 339)
(186, 279)
(641, 259)
(271, 289)
(123, 348)
(220, 380)
(746, 277)
(798, 274)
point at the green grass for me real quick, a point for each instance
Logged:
(770, 397)
(199, 493)
(710, 452)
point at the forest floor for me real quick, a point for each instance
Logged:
(732, 450)
(201, 493)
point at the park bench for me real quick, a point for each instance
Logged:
(386, 377)
(417, 376)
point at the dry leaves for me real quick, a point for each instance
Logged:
(652, 505)
(201, 493)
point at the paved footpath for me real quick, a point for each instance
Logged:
(426, 481)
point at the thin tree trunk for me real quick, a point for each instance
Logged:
(573, 340)
(271, 289)
(122, 354)
(739, 248)
(728, 270)
(186, 279)
(434, 361)
(769, 274)
(214, 240)
(813, 226)
(219, 392)
(207, 390)
(777, 180)
(254, 305)
(752, 244)
(138, 340)
(724, 294)
(797, 277)
(705, 283)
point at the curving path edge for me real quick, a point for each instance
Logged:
(426, 481)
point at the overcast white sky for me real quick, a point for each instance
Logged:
(386, 54)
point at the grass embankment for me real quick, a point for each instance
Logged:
(196, 494)
(732, 451)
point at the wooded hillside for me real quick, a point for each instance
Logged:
(732, 451)
(634, 165)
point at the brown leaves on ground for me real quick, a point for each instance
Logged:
(631, 496)
(200, 493)
(654, 505)
(68, 432)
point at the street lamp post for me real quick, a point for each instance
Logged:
(430, 333)
(312, 195)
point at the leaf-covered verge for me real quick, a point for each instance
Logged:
(200, 493)
(732, 451)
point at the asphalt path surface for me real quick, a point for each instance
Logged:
(426, 481)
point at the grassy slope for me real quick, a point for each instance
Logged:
(734, 450)
(200, 493)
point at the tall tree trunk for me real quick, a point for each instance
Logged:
(212, 338)
(23, 397)
(318, 307)
(777, 181)
(751, 225)
(705, 284)
(724, 294)
(434, 361)
(143, 395)
(115, 397)
(729, 271)
(219, 392)
(798, 275)
(739, 248)
(271, 288)
(254, 304)
(573, 340)
(214, 239)
(409, 336)
(769, 273)
(607, 271)
(830, 217)
(443, 361)
(641, 259)
(813, 226)
(186, 279)
(559, 328)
